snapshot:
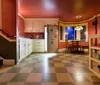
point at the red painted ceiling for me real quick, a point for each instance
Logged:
(66, 10)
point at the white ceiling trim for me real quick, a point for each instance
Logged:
(60, 20)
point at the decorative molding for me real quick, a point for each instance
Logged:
(67, 22)
(42, 18)
(21, 16)
(10, 40)
(37, 18)
(61, 20)
(98, 15)
(62, 50)
(80, 21)
(0, 14)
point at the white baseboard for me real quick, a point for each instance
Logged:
(8, 62)
(23, 58)
(20, 60)
(62, 50)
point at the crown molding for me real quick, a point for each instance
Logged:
(42, 18)
(80, 21)
(90, 18)
(60, 20)
(68, 22)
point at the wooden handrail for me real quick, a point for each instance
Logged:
(6, 34)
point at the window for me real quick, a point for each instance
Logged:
(83, 33)
(61, 33)
(70, 33)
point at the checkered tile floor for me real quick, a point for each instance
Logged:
(50, 69)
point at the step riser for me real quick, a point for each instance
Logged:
(8, 62)
(1, 62)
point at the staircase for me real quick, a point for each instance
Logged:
(6, 62)
(7, 49)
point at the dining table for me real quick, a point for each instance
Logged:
(75, 43)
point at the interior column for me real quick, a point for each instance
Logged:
(0, 14)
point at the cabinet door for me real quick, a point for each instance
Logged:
(28, 25)
(33, 45)
(39, 48)
(38, 26)
(30, 46)
(22, 48)
(39, 42)
(27, 47)
(41, 26)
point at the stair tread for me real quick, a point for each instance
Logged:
(1, 58)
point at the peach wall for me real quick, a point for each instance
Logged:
(9, 17)
(91, 29)
(61, 44)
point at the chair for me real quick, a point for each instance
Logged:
(68, 46)
(71, 46)
(84, 45)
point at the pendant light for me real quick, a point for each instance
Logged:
(78, 27)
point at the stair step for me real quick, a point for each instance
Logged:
(1, 61)
(6, 62)
(1, 58)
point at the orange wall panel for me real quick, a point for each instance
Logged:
(62, 45)
(91, 28)
(21, 26)
(9, 17)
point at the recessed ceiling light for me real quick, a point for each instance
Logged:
(49, 5)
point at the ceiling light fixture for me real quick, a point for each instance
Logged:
(78, 27)
(49, 5)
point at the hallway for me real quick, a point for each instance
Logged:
(50, 69)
